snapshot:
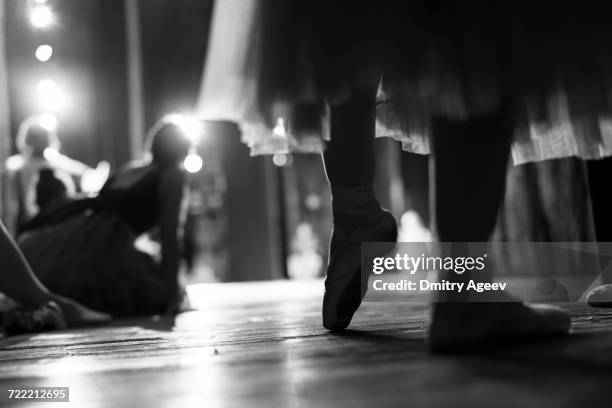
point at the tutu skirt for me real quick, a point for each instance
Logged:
(276, 66)
(91, 258)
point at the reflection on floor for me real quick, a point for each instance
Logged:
(261, 345)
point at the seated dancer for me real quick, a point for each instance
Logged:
(85, 249)
(39, 174)
(466, 81)
(40, 309)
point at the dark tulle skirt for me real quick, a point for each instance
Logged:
(274, 66)
(91, 258)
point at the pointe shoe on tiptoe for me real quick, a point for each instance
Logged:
(467, 326)
(78, 315)
(345, 284)
(21, 320)
(601, 296)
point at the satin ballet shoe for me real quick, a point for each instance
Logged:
(22, 320)
(345, 284)
(601, 296)
(461, 327)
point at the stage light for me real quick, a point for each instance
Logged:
(47, 87)
(48, 121)
(41, 16)
(190, 125)
(193, 163)
(51, 154)
(44, 53)
(50, 96)
(15, 163)
(280, 159)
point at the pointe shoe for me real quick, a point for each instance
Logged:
(467, 326)
(22, 320)
(345, 284)
(601, 296)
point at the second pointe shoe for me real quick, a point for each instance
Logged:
(470, 326)
(345, 284)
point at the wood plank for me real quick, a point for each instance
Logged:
(261, 344)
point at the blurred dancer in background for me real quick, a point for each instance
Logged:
(85, 248)
(40, 175)
(39, 309)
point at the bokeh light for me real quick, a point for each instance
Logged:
(192, 128)
(46, 86)
(48, 121)
(44, 53)
(41, 16)
(189, 124)
(50, 97)
(280, 159)
(51, 154)
(193, 163)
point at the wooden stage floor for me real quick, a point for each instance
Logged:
(261, 345)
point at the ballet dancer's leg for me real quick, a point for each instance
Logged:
(470, 161)
(349, 164)
(18, 282)
(17, 279)
(598, 175)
